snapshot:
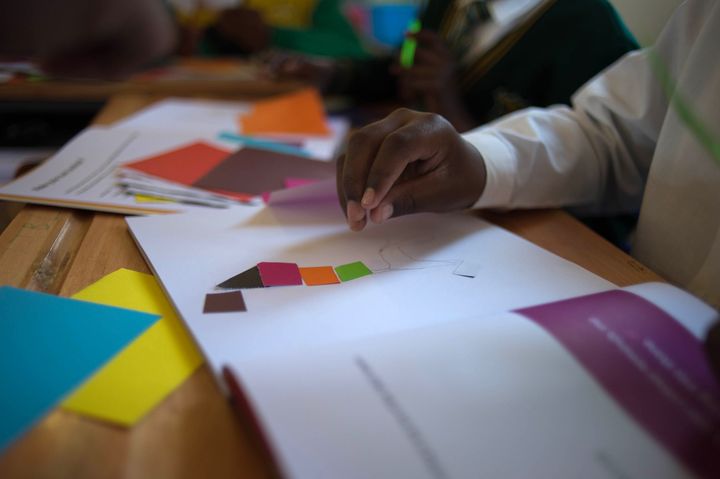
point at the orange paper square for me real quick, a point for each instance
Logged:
(319, 275)
(298, 113)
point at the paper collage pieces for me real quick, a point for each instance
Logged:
(49, 345)
(244, 174)
(268, 274)
(415, 262)
(150, 368)
(188, 154)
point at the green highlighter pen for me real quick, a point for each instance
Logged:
(407, 51)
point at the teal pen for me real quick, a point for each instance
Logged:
(270, 145)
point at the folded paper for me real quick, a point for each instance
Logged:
(49, 345)
(150, 368)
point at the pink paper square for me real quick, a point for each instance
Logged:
(280, 274)
(291, 182)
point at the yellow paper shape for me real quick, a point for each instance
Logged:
(148, 369)
(151, 199)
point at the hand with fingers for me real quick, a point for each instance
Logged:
(409, 162)
(431, 80)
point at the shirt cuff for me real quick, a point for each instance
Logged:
(500, 164)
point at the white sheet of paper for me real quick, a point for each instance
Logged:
(183, 114)
(211, 117)
(493, 396)
(82, 173)
(413, 258)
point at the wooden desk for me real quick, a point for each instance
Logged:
(194, 432)
(184, 77)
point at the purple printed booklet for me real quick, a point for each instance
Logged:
(610, 385)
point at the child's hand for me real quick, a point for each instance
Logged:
(407, 163)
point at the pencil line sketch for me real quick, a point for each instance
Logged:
(396, 257)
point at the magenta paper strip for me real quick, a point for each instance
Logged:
(649, 363)
(280, 274)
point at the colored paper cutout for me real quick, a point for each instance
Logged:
(350, 271)
(297, 113)
(319, 275)
(289, 183)
(292, 182)
(468, 269)
(324, 191)
(229, 302)
(277, 146)
(183, 165)
(151, 199)
(245, 280)
(280, 274)
(254, 171)
(48, 346)
(150, 368)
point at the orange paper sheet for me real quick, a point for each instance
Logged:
(319, 275)
(298, 113)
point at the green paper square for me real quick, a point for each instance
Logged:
(351, 271)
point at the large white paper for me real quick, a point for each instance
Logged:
(183, 114)
(495, 396)
(82, 173)
(414, 258)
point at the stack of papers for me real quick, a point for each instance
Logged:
(219, 174)
(182, 154)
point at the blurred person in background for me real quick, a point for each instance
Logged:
(311, 27)
(478, 60)
(86, 38)
(643, 134)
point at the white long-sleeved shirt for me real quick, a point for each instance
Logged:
(623, 145)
